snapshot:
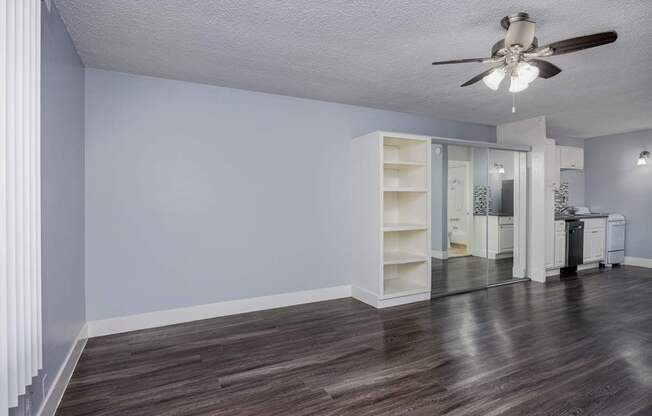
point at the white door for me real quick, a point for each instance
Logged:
(458, 203)
(597, 245)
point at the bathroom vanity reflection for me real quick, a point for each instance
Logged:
(478, 216)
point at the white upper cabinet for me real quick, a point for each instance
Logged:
(551, 169)
(571, 157)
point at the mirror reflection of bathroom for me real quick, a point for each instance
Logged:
(476, 195)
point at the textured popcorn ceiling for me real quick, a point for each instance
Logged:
(377, 53)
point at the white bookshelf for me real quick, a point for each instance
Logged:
(391, 218)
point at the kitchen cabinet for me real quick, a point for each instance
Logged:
(594, 239)
(560, 244)
(549, 228)
(597, 245)
(552, 160)
(493, 236)
(571, 157)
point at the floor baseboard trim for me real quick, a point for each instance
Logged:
(363, 295)
(638, 261)
(212, 310)
(438, 254)
(58, 388)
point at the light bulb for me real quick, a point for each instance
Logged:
(517, 84)
(494, 78)
(526, 72)
(642, 161)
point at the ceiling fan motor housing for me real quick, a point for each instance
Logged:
(515, 17)
(520, 31)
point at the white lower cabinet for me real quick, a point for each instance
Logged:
(560, 244)
(594, 239)
(594, 242)
(505, 238)
(497, 232)
(549, 199)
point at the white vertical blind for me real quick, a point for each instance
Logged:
(20, 199)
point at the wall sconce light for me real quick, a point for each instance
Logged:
(499, 168)
(643, 158)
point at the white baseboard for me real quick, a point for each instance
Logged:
(553, 272)
(638, 261)
(212, 310)
(438, 254)
(61, 380)
(378, 302)
(588, 266)
(365, 296)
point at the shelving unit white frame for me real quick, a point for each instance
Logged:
(391, 218)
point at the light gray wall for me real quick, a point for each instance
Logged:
(62, 196)
(198, 194)
(615, 184)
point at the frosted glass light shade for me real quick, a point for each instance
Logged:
(517, 84)
(494, 78)
(526, 72)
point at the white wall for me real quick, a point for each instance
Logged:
(198, 194)
(531, 132)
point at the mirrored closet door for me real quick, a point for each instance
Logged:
(478, 217)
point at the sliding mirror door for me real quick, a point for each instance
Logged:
(459, 218)
(507, 215)
(479, 201)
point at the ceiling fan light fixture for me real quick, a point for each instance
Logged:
(643, 158)
(527, 72)
(517, 84)
(494, 78)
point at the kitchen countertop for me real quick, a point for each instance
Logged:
(579, 217)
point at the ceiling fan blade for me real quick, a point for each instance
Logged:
(461, 61)
(477, 78)
(520, 33)
(546, 69)
(582, 42)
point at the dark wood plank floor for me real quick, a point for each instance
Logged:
(580, 347)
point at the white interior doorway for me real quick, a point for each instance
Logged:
(459, 219)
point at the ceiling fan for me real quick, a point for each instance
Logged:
(518, 54)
